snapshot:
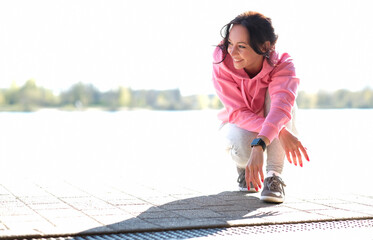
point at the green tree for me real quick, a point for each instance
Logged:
(12, 94)
(125, 97)
(81, 95)
(342, 99)
(203, 102)
(215, 102)
(2, 98)
(303, 100)
(366, 98)
(138, 99)
(29, 95)
(48, 98)
(162, 102)
(169, 100)
(189, 102)
(151, 98)
(324, 100)
(110, 100)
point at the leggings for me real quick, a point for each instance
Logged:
(238, 142)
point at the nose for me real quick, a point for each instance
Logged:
(232, 50)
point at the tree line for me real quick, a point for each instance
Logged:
(342, 98)
(30, 97)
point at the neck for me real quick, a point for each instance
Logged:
(254, 69)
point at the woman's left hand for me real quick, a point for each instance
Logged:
(293, 147)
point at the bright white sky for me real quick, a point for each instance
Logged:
(164, 44)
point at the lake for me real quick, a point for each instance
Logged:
(175, 146)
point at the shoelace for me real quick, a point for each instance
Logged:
(275, 183)
(241, 177)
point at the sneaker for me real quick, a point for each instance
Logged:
(242, 186)
(273, 190)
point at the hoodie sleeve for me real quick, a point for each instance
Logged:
(282, 90)
(229, 93)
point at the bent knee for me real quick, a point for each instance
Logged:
(239, 155)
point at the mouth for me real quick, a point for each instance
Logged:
(237, 60)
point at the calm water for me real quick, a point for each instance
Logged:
(151, 144)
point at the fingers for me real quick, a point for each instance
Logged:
(247, 177)
(294, 154)
(299, 156)
(304, 151)
(261, 175)
(252, 176)
(288, 157)
(298, 153)
(294, 158)
(255, 180)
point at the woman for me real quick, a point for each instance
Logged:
(258, 88)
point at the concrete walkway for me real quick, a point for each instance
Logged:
(111, 178)
(54, 207)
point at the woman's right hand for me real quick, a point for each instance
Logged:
(293, 147)
(254, 168)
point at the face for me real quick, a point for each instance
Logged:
(242, 54)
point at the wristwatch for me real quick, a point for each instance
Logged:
(259, 142)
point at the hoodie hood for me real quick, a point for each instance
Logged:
(243, 97)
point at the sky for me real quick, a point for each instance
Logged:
(164, 44)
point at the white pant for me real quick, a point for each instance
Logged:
(239, 141)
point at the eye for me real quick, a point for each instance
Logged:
(241, 46)
(229, 43)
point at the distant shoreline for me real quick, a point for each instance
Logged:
(96, 109)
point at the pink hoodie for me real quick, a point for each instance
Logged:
(244, 97)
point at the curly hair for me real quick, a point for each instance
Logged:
(260, 31)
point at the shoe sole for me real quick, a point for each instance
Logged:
(252, 190)
(272, 199)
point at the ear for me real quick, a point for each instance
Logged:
(266, 46)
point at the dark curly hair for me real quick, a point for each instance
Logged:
(260, 31)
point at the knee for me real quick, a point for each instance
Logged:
(238, 154)
(238, 143)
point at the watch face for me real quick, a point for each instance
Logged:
(256, 141)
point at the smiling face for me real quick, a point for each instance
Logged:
(241, 52)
